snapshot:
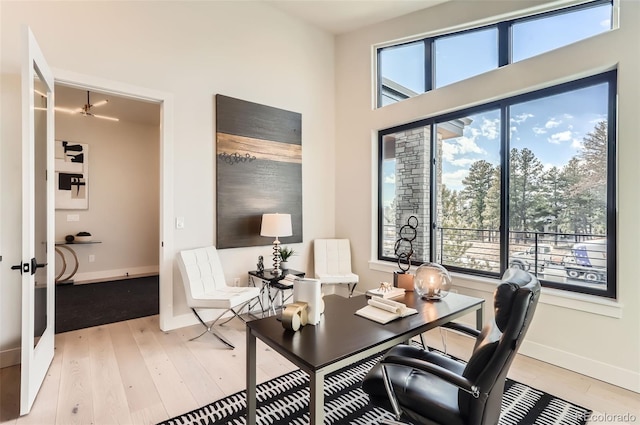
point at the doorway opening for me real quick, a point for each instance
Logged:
(124, 210)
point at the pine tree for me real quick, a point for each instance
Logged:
(475, 193)
(524, 177)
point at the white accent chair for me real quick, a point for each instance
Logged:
(206, 288)
(332, 259)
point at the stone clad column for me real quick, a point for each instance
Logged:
(413, 188)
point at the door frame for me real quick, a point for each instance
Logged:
(165, 100)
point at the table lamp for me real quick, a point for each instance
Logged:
(432, 281)
(276, 225)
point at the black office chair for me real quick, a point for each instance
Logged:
(426, 387)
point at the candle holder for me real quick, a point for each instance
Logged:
(432, 281)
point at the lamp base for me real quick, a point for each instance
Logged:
(276, 258)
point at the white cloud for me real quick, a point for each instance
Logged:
(390, 178)
(460, 146)
(563, 136)
(539, 130)
(519, 119)
(605, 23)
(468, 145)
(449, 150)
(567, 116)
(577, 144)
(463, 162)
(454, 180)
(552, 123)
(514, 129)
(490, 128)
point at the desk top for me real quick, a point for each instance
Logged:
(341, 333)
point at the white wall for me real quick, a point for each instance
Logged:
(191, 50)
(124, 197)
(582, 333)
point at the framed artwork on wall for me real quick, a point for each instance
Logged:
(258, 170)
(72, 175)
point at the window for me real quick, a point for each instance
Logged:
(523, 182)
(464, 55)
(531, 37)
(402, 72)
(410, 69)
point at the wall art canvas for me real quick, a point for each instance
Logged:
(71, 174)
(258, 170)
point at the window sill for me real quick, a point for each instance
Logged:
(565, 299)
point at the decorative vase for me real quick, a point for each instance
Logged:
(403, 280)
(284, 265)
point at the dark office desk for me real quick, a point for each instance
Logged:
(342, 338)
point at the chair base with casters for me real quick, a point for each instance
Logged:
(429, 388)
(205, 288)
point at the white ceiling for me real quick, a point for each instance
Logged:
(341, 16)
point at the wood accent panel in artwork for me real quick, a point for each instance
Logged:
(258, 169)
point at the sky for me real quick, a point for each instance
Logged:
(553, 127)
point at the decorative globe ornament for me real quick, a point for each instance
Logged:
(432, 281)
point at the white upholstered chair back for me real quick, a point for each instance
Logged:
(201, 271)
(332, 256)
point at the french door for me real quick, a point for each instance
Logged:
(38, 290)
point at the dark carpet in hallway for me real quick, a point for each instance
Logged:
(94, 304)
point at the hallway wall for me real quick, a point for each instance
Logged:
(124, 197)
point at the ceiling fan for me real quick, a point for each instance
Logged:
(87, 111)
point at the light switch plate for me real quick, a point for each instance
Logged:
(73, 217)
(179, 222)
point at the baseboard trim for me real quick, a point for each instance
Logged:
(10, 357)
(624, 378)
(116, 274)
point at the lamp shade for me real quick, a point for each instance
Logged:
(276, 225)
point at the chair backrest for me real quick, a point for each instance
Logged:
(332, 256)
(515, 301)
(201, 272)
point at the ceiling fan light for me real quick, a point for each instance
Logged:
(67, 110)
(100, 103)
(104, 117)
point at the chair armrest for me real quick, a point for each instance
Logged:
(451, 377)
(464, 329)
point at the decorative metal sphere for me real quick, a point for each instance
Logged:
(432, 281)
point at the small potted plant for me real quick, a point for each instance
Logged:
(285, 253)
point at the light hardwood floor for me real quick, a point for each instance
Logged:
(133, 373)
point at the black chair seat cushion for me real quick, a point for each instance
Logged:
(426, 395)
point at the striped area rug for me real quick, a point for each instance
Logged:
(285, 400)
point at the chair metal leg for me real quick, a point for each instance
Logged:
(211, 331)
(351, 288)
(424, 346)
(235, 314)
(390, 393)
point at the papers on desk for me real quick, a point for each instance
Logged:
(383, 310)
(288, 280)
